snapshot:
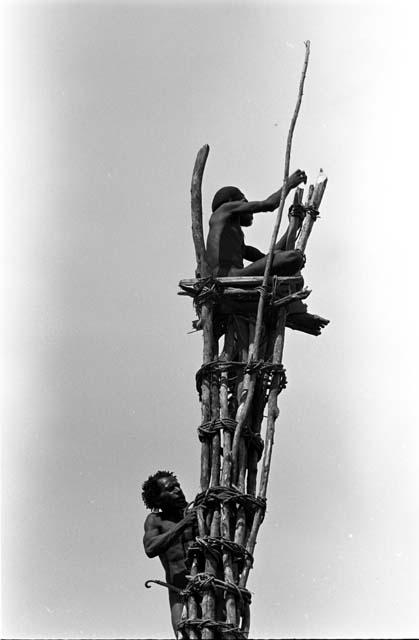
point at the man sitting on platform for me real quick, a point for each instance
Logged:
(226, 249)
(168, 534)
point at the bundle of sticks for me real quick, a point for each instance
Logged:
(235, 390)
(231, 504)
(243, 321)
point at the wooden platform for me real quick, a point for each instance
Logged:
(242, 282)
(240, 295)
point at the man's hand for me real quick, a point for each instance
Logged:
(295, 179)
(189, 518)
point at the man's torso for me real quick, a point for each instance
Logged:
(225, 247)
(174, 558)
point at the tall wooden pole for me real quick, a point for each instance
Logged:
(250, 379)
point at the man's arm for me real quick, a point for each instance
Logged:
(270, 203)
(155, 542)
(252, 254)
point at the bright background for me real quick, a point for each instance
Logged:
(105, 106)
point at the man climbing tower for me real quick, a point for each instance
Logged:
(168, 533)
(226, 249)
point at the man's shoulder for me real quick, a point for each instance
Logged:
(153, 518)
(222, 214)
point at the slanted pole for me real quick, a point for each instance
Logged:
(273, 413)
(250, 380)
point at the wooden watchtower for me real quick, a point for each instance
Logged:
(241, 376)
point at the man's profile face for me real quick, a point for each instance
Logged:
(171, 495)
(246, 219)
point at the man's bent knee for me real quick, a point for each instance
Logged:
(289, 262)
(297, 259)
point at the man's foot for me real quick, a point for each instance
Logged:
(297, 211)
(306, 322)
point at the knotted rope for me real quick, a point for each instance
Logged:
(225, 495)
(312, 212)
(198, 583)
(263, 369)
(216, 546)
(216, 367)
(205, 290)
(201, 581)
(268, 370)
(217, 625)
(207, 429)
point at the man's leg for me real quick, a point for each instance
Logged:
(176, 609)
(296, 216)
(285, 263)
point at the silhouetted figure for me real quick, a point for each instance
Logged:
(226, 249)
(168, 533)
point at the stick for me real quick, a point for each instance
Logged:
(224, 408)
(196, 212)
(294, 221)
(269, 439)
(231, 609)
(206, 315)
(249, 380)
(314, 200)
(209, 598)
(282, 202)
(215, 414)
(211, 563)
(192, 604)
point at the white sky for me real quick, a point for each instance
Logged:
(105, 108)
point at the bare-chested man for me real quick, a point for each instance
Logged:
(226, 249)
(168, 533)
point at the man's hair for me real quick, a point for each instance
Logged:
(151, 488)
(226, 194)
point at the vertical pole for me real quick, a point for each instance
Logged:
(231, 609)
(269, 440)
(208, 599)
(211, 563)
(192, 603)
(314, 200)
(294, 221)
(206, 315)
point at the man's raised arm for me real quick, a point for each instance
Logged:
(155, 542)
(270, 203)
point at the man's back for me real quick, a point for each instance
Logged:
(225, 243)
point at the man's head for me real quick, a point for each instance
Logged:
(232, 194)
(162, 491)
(227, 194)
